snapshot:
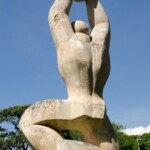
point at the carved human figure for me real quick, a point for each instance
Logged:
(83, 56)
(83, 62)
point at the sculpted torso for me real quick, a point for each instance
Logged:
(83, 57)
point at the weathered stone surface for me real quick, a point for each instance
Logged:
(74, 145)
(62, 109)
(83, 62)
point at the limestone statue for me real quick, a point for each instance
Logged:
(83, 62)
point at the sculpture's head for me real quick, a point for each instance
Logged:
(81, 30)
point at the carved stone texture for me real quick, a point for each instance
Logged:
(83, 62)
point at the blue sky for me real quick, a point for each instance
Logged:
(28, 64)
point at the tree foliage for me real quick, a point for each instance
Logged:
(134, 142)
(125, 142)
(10, 135)
(144, 141)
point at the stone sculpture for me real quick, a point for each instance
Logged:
(83, 62)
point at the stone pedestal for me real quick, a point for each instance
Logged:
(43, 122)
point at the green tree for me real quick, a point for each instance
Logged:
(144, 141)
(125, 142)
(12, 138)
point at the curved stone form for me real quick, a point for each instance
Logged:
(42, 123)
(74, 145)
(83, 62)
(63, 109)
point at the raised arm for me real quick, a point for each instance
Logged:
(96, 13)
(59, 22)
(98, 19)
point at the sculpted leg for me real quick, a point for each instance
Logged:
(42, 122)
(42, 138)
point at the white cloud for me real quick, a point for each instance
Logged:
(137, 130)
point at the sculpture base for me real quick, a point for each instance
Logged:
(43, 122)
